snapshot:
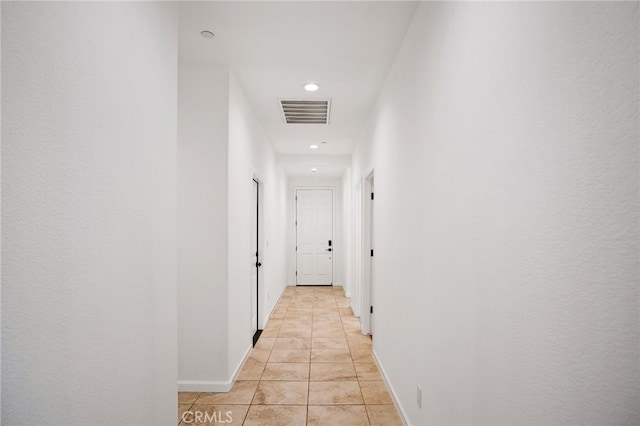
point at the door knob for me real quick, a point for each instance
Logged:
(329, 249)
(258, 264)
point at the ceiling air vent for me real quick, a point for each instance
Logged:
(314, 111)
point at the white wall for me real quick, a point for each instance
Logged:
(505, 148)
(203, 103)
(251, 155)
(356, 246)
(221, 149)
(89, 211)
(338, 242)
(347, 223)
(0, 214)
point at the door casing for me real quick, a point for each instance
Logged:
(367, 263)
(257, 288)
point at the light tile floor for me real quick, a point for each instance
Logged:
(311, 366)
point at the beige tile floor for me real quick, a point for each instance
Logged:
(311, 366)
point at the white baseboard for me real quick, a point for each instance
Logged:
(396, 402)
(284, 289)
(353, 309)
(204, 386)
(239, 367)
(212, 385)
(221, 386)
(344, 291)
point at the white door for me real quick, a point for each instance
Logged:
(254, 261)
(314, 236)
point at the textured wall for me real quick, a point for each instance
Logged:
(89, 211)
(221, 147)
(250, 154)
(203, 103)
(505, 146)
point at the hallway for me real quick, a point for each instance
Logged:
(483, 160)
(311, 366)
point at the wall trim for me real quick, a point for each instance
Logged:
(204, 386)
(239, 367)
(212, 385)
(345, 293)
(394, 396)
(268, 318)
(352, 305)
(217, 385)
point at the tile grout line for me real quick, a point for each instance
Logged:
(323, 306)
(356, 370)
(188, 409)
(313, 314)
(313, 317)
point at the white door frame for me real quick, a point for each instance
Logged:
(356, 301)
(295, 230)
(365, 252)
(262, 305)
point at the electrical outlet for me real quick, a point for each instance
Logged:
(419, 396)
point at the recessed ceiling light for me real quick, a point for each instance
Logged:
(314, 170)
(314, 146)
(207, 34)
(311, 87)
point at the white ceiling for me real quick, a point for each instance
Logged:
(327, 166)
(275, 47)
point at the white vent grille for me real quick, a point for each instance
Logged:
(315, 111)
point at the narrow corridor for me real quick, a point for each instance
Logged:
(311, 366)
